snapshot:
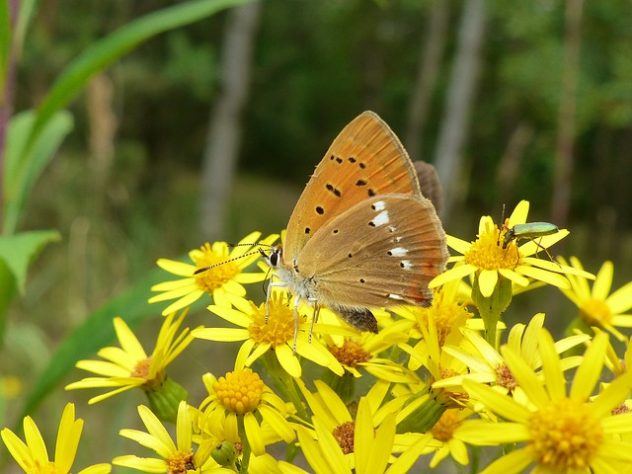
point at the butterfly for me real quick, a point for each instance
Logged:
(362, 235)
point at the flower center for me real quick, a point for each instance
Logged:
(565, 435)
(180, 462)
(505, 378)
(239, 391)
(215, 277)
(620, 409)
(596, 312)
(279, 328)
(448, 316)
(488, 252)
(351, 353)
(444, 428)
(142, 368)
(344, 436)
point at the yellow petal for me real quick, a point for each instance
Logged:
(157, 430)
(34, 441)
(68, 437)
(603, 282)
(487, 280)
(513, 276)
(182, 302)
(151, 465)
(288, 360)
(555, 382)
(519, 214)
(542, 275)
(380, 449)
(484, 433)
(588, 373)
(18, 449)
(621, 300)
(457, 244)
(537, 245)
(127, 339)
(221, 334)
(497, 402)
(254, 434)
(174, 284)
(177, 268)
(455, 273)
(515, 461)
(313, 454)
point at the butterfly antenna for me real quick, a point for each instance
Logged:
(223, 262)
(250, 245)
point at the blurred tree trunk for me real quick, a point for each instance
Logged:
(566, 117)
(224, 133)
(509, 165)
(427, 73)
(459, 100)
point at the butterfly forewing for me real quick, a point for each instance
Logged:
(402, 247)
(365, 160)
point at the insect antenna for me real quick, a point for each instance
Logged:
(228, 260)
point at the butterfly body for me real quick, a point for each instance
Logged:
(362, 235)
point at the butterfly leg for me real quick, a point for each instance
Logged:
(314, 317)
(297, 300)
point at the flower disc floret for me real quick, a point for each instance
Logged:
(239, 391)
(278, 329)
(565, 435)
(221, 270)
(596, 311)
(487, 252)
(351, 353)
(180, 462)
(344, 434)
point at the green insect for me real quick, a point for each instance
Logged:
(529, 230)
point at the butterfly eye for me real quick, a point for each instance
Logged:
(274, 257)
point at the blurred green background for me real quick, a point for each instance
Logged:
(210, 130)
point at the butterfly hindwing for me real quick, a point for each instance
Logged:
(366, 159)
(381, 252)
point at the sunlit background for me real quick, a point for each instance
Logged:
(210, 130)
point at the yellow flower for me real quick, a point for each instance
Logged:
(276, 334)
(487, 257)
(359, 446)
(32, 456)
(443, 438)
(596, 307)
(225, 276)
(174, 458)
(365, 351)
(128, 366)
(563, 434)
(238, 401)
(486, 365)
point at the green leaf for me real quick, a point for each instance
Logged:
(96, 332)
(104, 52)
(19, 249)
(27, 7)
(23, 166)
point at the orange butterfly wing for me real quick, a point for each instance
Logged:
(366, 159)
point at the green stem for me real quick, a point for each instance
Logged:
(245, 445)
(284, 383)
(492, 307)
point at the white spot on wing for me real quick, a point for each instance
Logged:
(393, 296)
(407, 264)
(379, 206)
(381, 219)
(398, 251)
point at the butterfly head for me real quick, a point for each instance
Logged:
(273, 258)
